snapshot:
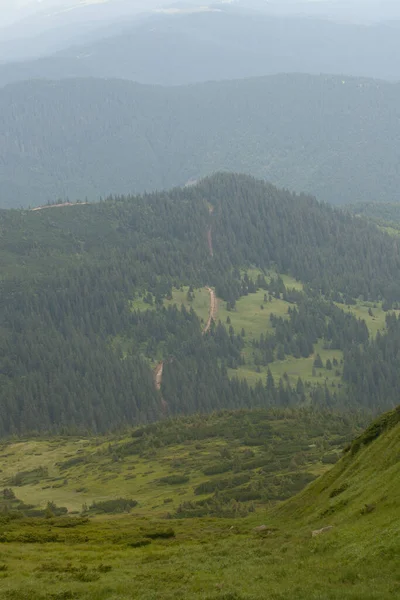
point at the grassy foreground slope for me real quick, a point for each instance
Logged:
(365, 481)
(211, 559)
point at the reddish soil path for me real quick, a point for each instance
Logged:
(210, 244)
(212, 315)
(209, 233)
(158, 372)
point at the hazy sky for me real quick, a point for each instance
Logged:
(12, 10)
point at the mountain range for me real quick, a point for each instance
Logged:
(334, 137)
(184, 45)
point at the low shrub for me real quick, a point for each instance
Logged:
(382, 424)
(207, 487)
(29, 477)
(138, 543)
(339, 490)
(120, 505)
(218, 468)
(242, 495)
(72, 462)
(174, 479)
(29, 538)
(160, 534)
(330, 459)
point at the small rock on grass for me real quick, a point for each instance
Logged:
(264, 528)
(319, 531)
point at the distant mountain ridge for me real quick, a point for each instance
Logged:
(334, 137)
(228, 43)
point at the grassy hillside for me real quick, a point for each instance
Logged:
(128, 557)
(87, 138)
(247, 456)
(364, 481)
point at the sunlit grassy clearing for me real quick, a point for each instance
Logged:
(249, 315)
(390, 229)
(376, 322)
(293, 368)
(200, 302)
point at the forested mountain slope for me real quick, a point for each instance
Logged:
(78, 345)
(334, 137)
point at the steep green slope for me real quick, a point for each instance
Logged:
(363, 486)
(330, 136)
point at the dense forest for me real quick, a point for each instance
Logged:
(332, 137)
(372, 369)
(76, 355)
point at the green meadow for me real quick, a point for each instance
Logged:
(163, 466)
(270, 554)
(376, 321)
(200, 301)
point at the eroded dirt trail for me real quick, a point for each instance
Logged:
(210, 243)
(209, 233)
(212, 315)
(158, 373)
